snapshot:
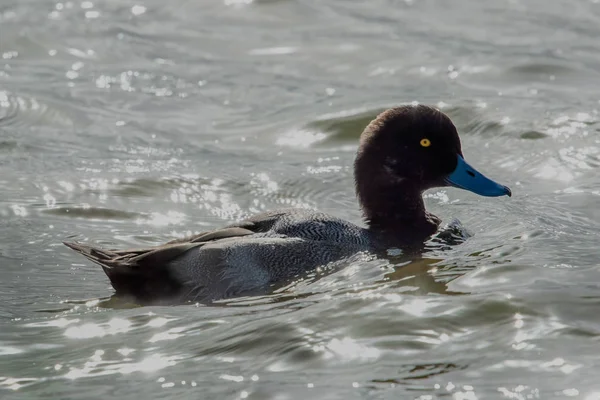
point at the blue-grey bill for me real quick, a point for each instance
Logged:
(468, 178)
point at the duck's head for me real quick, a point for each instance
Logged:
(403, 152)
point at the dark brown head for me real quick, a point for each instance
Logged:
(403, 152)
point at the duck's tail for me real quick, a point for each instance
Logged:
(142, 274)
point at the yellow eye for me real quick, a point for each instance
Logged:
(425, 142)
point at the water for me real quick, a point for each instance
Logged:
(130, 123)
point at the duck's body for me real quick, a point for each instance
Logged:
(242, 258)
(403, 152)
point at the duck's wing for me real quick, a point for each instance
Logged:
(217, 234)
(258, 223)
(136, 258)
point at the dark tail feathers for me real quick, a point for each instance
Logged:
(133, 273)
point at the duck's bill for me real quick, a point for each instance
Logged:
(468, 178)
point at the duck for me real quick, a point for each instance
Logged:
(403, 152)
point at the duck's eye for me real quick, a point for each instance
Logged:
(425, 142)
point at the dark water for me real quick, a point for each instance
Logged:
(129, 124)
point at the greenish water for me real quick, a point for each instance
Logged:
(130, 123)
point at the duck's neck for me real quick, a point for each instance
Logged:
(398, 213)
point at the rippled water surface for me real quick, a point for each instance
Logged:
(128, 123)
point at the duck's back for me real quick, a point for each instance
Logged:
(310, 225)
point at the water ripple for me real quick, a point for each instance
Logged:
(17, 111)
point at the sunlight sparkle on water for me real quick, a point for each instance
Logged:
(138, 9)
(237, 2)
(273, 51)
(97, 366)
(68, 186)
(91, 330)
(157, 219)
(50, 200)
(264, 184)
(520, 392)
(233, 378)
(565, 126)
(324, 169)
(440, 196)
(125, 351)
(19, 211)
(572, 392)
(580, 158)
(59, 323)
(4, 99)
(552, 169)
(417, 307)
(300, 138)
(158, 322)
(348, 349)
(171, 334)
(92, 14)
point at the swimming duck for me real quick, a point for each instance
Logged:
(402, 152)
